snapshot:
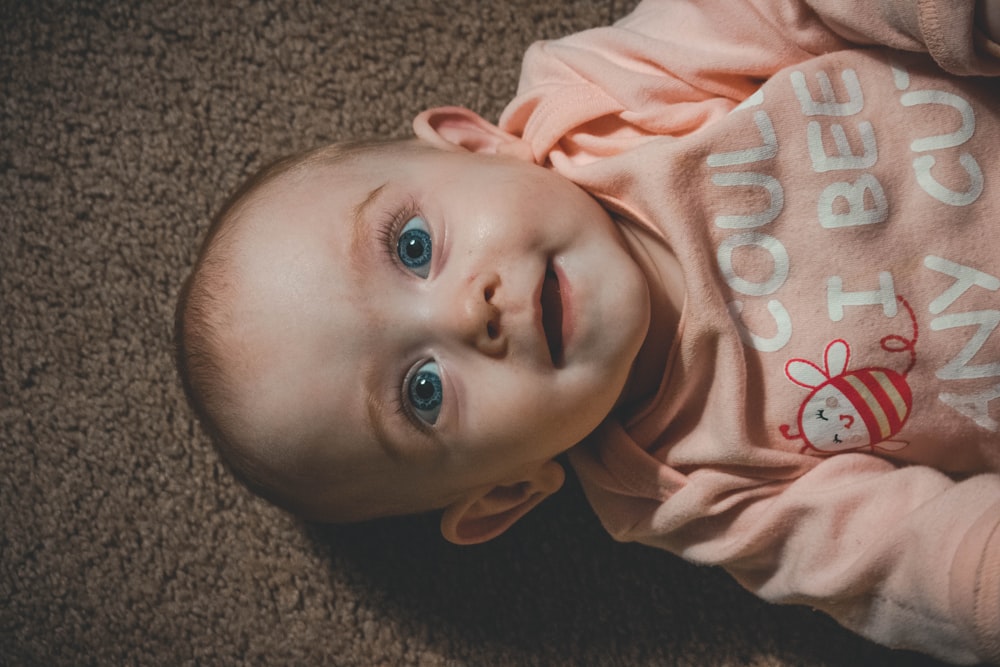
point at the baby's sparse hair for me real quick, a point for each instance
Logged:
(203, 361)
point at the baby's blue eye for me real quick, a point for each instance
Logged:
(414, 246)
(423, 390)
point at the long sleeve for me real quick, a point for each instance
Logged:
(943, 28)
(903, 555)
(673, 67)
(667, 70)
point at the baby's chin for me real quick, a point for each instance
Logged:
(659, 295)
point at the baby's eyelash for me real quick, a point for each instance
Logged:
(397, 408)
(392, 223)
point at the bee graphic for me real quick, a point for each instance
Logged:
(853, 410)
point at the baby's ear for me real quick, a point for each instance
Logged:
(458, 127)
(489, 511)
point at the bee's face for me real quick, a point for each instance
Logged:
(830, 422)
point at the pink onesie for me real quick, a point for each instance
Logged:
(829, 427)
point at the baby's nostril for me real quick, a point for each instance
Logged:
(488, 293)
(491, 330)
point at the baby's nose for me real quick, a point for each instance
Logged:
(477, 319)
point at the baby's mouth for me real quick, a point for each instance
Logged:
(552, 315)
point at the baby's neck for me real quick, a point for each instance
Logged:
(666, 301)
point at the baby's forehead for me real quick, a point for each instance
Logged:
(314, 181)
(361, 160)
(323, 200)
(298, 253)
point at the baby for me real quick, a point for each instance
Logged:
(736, 258)
(412, 325)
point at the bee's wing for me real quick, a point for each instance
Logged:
(837, 357)
(805, 373)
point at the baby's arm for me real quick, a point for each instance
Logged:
(905, 556)
(960, 36)
(699, 59)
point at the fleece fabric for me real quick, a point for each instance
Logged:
(828, 428)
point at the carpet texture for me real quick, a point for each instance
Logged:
(123, 541)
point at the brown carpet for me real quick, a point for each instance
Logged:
(122, 539)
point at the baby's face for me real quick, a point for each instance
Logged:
(441, 314)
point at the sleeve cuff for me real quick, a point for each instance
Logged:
(948, 31)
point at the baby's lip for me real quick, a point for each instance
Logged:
(551, 301)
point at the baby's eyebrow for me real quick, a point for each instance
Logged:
(375, 411)
(358, 229)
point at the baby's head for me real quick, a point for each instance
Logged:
(395, 327)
